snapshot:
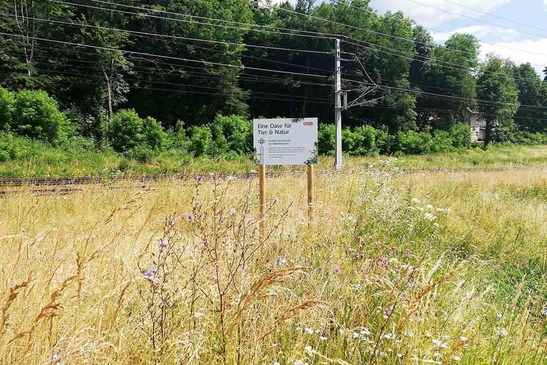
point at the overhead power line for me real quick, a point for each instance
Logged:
(241, 67)
(474, 19)
(494, 15)
(236, 25)
(133, 32)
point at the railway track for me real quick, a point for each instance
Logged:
(65, 185)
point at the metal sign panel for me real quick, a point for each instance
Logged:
(286, 141)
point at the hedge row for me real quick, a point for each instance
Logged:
(35, 115)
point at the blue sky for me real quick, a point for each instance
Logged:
(517, 30)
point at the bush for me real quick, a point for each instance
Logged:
(366, 138)
(413, 142)
(36, 115)
(232, 134)
(7, 103)
(327, 139)
(461, 135)
(441, 141)
(127, 131)
(200, 140)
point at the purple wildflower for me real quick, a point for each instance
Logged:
(163, 244)
(190, 218)
(171, 221)
(150, 274)
(198, 204)
(337, 269)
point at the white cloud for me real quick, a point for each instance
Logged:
(533, 51)
(435, 12)
(482, 32)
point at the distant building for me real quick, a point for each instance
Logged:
(477, 125)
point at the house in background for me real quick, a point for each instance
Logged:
(477, 125)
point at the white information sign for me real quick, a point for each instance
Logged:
(286, 141)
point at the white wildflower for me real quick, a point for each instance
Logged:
(502, 332)
(429, 216)
(309, 331)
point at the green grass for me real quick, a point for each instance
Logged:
(25, 158)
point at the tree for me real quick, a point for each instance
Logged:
(451, 75)
(498, 92)
(532, 94)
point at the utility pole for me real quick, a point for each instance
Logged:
(338, 107)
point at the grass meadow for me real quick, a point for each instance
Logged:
(395, 268)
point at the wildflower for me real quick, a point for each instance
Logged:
(337, 269)
(190, 218)
(198, 315)
(429, 216)
(233, 211)
(222, 220)
(55, 358)
(365, 332)
(499, 316)
(544, 312)
(457, 358)
(430, 207)
(308, 349)
(275, 363)
(416, 201)
(322, 338)
(198, 204)
(355, 335)
(171, 221)
(502, 332)
(150, 274)
(388, 336)
(298, 362)
(204, 241)
(281, 261)
(163, 244)
(309, 331)
(464, 339)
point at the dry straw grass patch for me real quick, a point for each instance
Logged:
(177, 272)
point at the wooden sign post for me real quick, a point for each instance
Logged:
(285, 142)
(262, 184)
(310, 192)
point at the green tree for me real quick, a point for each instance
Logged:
(498, 92)
(7, 102)
(451, 75)
(531, 93)
(36, 115)
(126, 131)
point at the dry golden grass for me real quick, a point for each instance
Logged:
(176, 272)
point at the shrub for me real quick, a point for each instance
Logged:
(7, 103)
(231, 134)
(366, 137)
(200, 140)
(461, 135)
(413, 142)
(154, 136)
(327, 139)
(384, 141)
(127, 131)
(441, 141)
(36, 115)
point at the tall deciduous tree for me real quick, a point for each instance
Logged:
(498, 92)
(532, 95)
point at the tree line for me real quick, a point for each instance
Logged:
(184, 62)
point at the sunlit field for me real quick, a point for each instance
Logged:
(394, 268)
